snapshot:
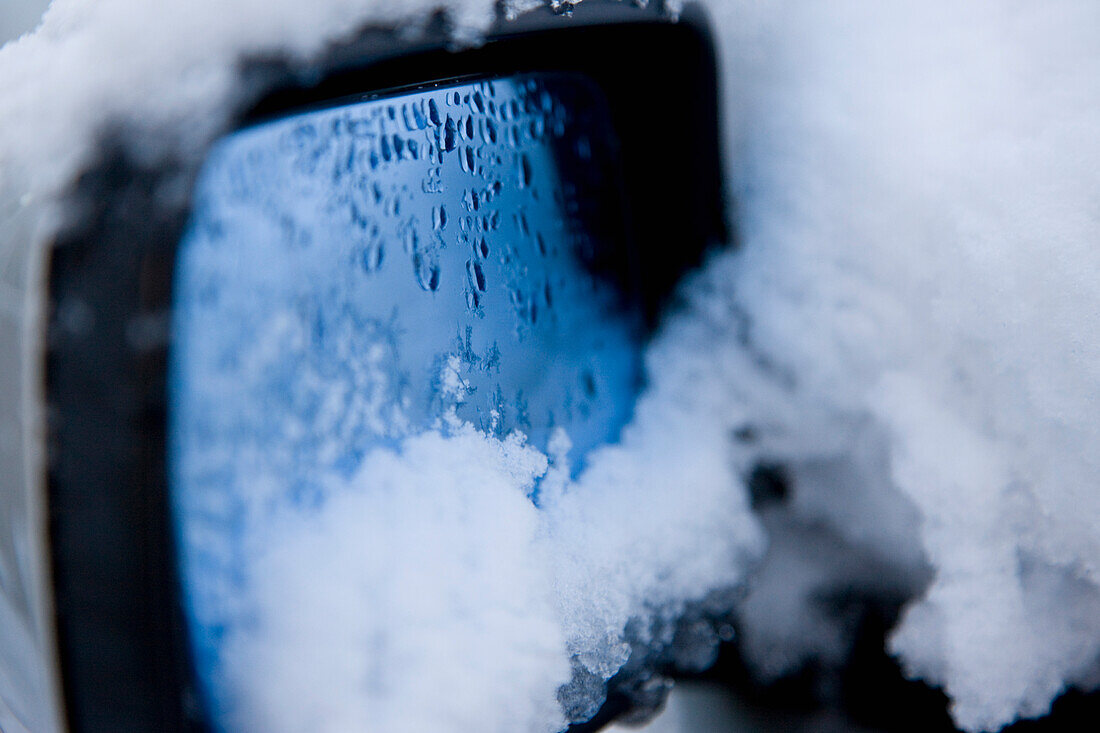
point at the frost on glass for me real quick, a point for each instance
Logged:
(355, 275)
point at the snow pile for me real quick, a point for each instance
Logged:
(417, 598)
(917, 187)
(428, 592)
(909, 328)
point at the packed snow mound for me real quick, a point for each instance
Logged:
(917, 187)
(418, 598)
(913, 307)
(429, 592)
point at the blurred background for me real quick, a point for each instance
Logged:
(19, 16)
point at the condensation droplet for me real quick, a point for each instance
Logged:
(427, 271)
(448, 142)
(471, 200)
(412, 240)
(523, 171)
(413, 117)
(476, 275)
(489, 131)
(439, 217)
(372, 256)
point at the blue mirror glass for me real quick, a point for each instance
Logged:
(353, 274)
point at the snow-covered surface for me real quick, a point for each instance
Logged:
(910, 325)
(917, 188)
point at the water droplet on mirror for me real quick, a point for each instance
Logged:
(411, 240)
(523, 171)
(476, 275)
(372, 256)
(427, 271)
(489, 131)
(448, 142)
(439, 217)
(471, 200)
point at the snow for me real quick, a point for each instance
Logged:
(420, 599)
(909, 327)
(917, 187)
